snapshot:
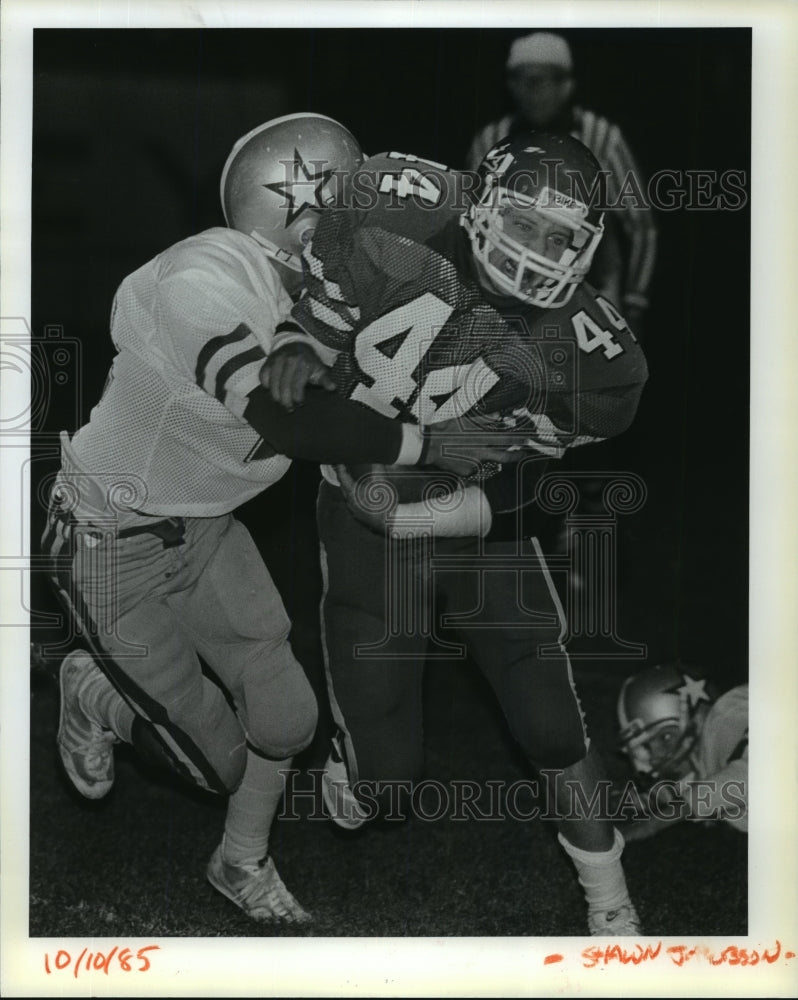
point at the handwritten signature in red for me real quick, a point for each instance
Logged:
(679, 954)
(122, 959)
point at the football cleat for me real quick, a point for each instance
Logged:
(622, 921)
(342, 805)
(256, 889)
(86, 748)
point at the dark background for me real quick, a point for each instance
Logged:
(131, 129)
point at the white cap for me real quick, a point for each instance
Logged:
(540, 49)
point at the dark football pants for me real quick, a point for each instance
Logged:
(382, 604)
(155, 609)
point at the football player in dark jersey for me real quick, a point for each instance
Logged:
(431, 298)
(543, 89)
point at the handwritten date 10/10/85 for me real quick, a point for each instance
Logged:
(117, 959)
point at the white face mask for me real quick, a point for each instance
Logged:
(534, 249)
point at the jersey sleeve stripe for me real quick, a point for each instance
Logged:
(316, 268)
(287, 326)
(329, 317)
(241, 332)
(322, 285)
(229, 369)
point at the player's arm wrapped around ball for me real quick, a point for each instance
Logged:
(405, 502)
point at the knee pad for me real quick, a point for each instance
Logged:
(280, 710)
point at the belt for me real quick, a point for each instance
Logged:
(171, 531)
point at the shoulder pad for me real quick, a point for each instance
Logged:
(409, 195)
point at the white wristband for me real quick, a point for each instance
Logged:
(466, 512)
(412, 445)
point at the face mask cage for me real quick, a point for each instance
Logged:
(645, 744)
(648, 751)
(484, 224)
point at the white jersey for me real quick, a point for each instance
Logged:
(722, 751)
(192, 328)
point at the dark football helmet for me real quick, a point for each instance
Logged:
(556, 176)
(279, 176)
(661, 711)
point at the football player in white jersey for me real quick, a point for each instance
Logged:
(689, 745)
(146, 553)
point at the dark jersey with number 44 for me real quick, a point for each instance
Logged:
(392, 294)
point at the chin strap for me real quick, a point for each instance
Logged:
(290, 260)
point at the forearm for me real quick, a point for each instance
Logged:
(329, 429)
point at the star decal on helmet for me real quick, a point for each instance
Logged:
(694, 690)
(303, 189)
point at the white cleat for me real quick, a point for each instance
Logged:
(342, 805)
(257, 889)
(622, 921)
(86, 748)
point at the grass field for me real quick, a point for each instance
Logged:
(133, 864)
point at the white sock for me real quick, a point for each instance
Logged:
(100, 700)
(600, 874)
(251, 810)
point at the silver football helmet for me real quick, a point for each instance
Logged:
(279, 177)
(661, 711)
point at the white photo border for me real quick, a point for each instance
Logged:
(465, 966)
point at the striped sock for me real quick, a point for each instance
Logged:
(100, 700)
